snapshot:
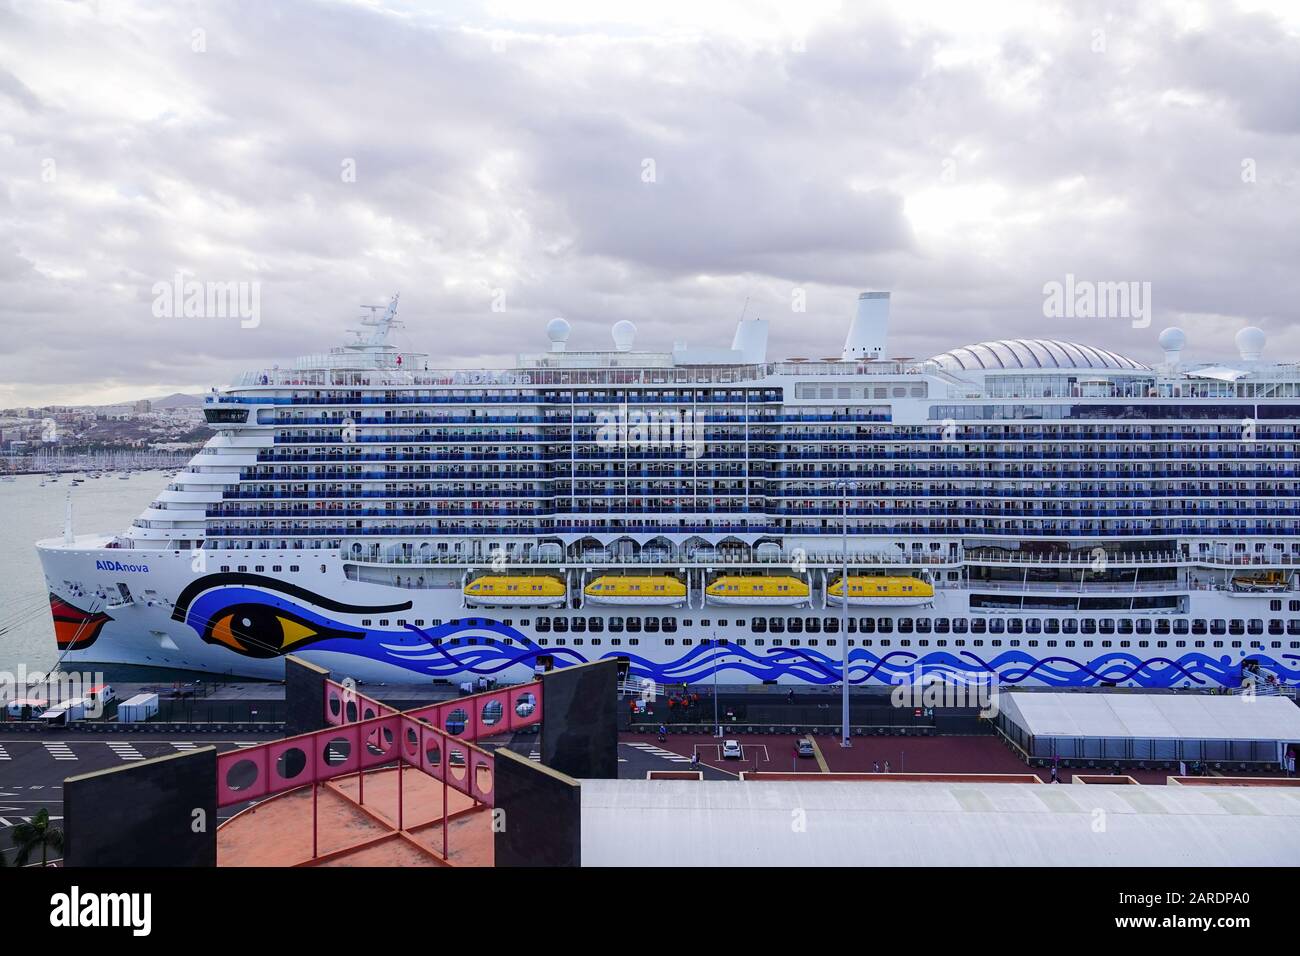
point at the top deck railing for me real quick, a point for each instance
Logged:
(411, 374)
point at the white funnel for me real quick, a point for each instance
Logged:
(868, 336)
(751, 341)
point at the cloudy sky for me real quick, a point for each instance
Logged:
(660, 162)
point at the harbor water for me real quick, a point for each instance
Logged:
(29, 511)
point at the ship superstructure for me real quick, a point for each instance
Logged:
(1020, 511)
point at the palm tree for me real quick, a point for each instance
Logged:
(38, 833)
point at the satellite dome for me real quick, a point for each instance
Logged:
(1250, 343)
(624, 333)
(557, 330)
(1173, 339)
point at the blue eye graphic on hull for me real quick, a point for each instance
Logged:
(259, 617)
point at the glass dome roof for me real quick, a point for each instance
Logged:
(1031, 354)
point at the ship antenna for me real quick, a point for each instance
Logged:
(381, 323)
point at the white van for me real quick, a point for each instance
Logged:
(99, 697)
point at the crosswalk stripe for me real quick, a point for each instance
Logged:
(659, 752)
(125, 750)
(7, 822)
(4, 754)
(60, 751)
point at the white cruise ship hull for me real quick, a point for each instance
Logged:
(173, 608)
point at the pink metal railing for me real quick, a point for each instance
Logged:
(365, 733)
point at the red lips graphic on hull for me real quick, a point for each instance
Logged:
(74, 628)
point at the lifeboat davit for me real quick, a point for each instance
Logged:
(876, 591)
(765, 589)
(511, 590)
(635, 590)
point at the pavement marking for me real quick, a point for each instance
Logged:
(183, 745)
(125, 750)
(6, 822)
(242, 746)
(534, 755)
(817, 752)
(60, 751)
(659, 752)
(4, 754)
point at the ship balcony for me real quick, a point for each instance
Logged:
(953, 527)
(960, 452)
(341, 513)
(732, 556)
(412, 474)
(868, 469)
(1125, 559)
(1072, 589)
(272, 458)
(1091, 514)
(388, 493)
(285, 420)
(891, 489)
(419, 438)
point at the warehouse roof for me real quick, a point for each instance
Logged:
(890, 823)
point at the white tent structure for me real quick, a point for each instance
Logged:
(1159, 728)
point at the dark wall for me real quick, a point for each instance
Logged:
(580, 720)
(304, 696)
(542, 814)
(144, 814)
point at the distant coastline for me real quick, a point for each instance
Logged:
(130, 436)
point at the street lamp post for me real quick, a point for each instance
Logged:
(717, 727)
(846, 487)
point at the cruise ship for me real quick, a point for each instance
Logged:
(1029, 511)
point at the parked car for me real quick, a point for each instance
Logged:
(731, 750)
(804, 747)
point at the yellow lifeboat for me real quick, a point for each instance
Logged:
(757, 589)
(1264, 581)
(512, 590)
(635, 590)
(874, 591)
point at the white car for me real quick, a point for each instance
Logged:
(731, 750)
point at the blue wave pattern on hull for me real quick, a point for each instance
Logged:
(424, 651)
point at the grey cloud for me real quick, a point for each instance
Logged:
(519, 168)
